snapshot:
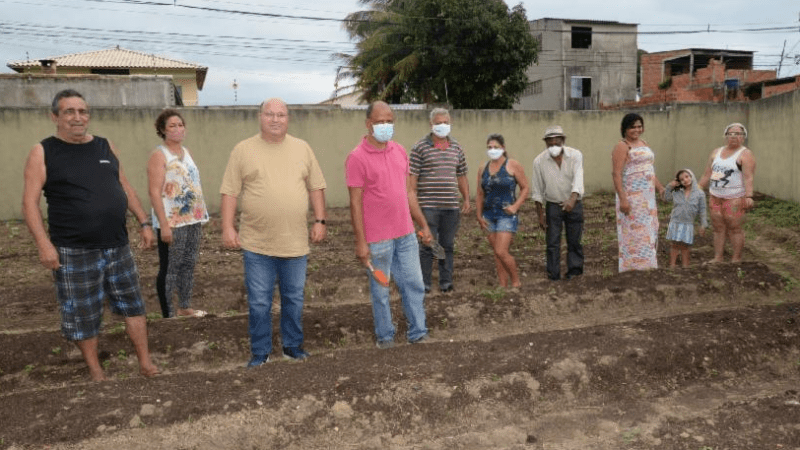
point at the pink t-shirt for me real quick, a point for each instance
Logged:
(382, 174)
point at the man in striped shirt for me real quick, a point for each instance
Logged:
(438, 174)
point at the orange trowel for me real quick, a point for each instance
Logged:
(379, 276)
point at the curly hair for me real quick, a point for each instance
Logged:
(161, 121)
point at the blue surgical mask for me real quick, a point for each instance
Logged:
(441, 130)
(383, 132)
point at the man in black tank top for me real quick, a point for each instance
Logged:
(87, 247)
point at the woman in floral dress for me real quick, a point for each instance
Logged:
(636, 184)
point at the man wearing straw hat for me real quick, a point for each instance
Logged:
(558, 185)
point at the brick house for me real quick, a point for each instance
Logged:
(704, 75)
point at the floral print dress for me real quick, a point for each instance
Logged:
(637, 232)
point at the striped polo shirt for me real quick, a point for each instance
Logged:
(437, 171)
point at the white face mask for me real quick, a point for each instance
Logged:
(383, 132)
(555, 150)
(494, 153)
(441, 130)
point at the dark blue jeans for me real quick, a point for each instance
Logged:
(443, 224)
(573, 223)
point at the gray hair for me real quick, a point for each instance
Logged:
(735, 124)
(439, 112)
(270, 100)
(66, 93)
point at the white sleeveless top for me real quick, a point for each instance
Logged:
(726, 177)
(181, 194)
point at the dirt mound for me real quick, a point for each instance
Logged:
(705, 358)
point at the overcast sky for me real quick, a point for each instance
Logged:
(283, 48)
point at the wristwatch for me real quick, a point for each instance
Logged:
(322, 221)
(146, 223)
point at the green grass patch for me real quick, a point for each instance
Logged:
(775, 212)
(494, 294)
(119, 327)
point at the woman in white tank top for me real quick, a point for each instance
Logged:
(729, 177)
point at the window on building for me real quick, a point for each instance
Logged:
(581, 37)
(581, 87)
(732, 87)
(533, 88)
(178, 92)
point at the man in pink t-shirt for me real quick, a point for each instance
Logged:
(382, 208)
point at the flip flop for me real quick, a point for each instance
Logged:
(199, 313)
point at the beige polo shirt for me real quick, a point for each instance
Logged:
(272, 182)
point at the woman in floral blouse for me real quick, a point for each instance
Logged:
(178, 213)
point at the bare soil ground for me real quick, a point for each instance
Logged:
(702, 359)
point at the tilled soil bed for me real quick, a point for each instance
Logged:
(706, 358)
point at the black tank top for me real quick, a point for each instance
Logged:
(86, 204)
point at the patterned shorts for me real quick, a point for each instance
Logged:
(728, 207)
(85, 277)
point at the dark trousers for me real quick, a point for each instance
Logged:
(443, 224)
(573, 223)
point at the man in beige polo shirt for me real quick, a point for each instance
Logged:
(273, 176)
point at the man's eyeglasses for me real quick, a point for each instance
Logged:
(279, 116)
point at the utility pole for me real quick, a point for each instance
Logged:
(780, 63)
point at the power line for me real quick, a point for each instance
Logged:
(303, 51)
(344, 20)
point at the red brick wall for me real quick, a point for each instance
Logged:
(707, 84)
(769, 91)
(651, 69)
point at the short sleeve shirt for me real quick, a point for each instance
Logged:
(382, 174)
(272, 182)
(437, 171)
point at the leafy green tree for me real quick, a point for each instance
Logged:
(471, 54)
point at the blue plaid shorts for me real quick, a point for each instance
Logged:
(85, 277)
